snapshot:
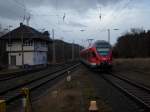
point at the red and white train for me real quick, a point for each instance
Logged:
(98, 55)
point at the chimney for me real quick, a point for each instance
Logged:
(21, 24)
(46, 33)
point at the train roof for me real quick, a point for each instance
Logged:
(102, 44)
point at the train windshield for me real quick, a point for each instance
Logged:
(102, 52)
(102, 44)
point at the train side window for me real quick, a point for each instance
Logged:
(88, 54)
(93, 54)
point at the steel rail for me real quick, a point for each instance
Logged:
(18, 74)
(139, 93)
(33, 86)
(31, 81)
(120, 76)
(23, 73)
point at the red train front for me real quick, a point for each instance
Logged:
(99, 55)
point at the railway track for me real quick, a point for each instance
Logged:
(10, 76)
(11, 94)
(21, 80)
(139, 93)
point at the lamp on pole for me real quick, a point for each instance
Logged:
(108, 30)
(63, 48)
(54, 55)
(22, 49)
(108, 35)
(10, 43)
(73, 50)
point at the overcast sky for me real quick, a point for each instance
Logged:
(81, 17)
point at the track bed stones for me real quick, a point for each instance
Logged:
(71, 97)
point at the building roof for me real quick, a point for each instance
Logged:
(26, 32)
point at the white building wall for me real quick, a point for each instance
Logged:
(28, 58)
(40, 58)
(39, 47)
(33, 55)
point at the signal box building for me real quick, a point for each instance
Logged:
(26, 46)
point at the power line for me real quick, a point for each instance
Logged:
(122, 10)
(19, 4)
(27, 14)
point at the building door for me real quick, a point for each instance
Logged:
(13, 60)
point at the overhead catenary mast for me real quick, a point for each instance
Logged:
(100, 15)
(90, 41)
(27, 16)
(28, 20)
(73, 50)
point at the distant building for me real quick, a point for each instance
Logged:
(26, 46)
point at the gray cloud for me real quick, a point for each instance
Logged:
(76, 24)
(71, 3)
(10, 10)
(13, 9)
(77, 5)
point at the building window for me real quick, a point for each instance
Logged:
(44, 59)
(43, 44)
(9, 45)
(28, 43)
